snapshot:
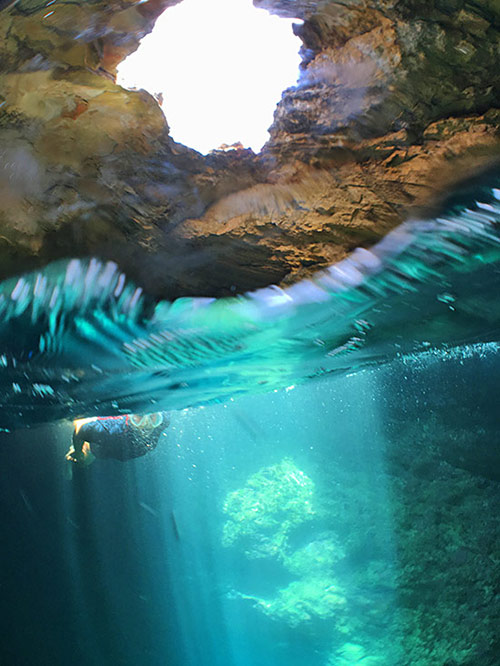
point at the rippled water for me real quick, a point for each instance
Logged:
(327, 490)
(79, 338)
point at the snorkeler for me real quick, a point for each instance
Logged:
(119, 437)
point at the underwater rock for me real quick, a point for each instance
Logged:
(319, 555)
(305, 600)
(395, 101)
(353, 654)
(262, 514)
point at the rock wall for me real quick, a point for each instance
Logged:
(395, 102)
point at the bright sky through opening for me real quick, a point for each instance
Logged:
(221, 66)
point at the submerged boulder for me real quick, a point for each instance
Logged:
(305, 600)
(262, 515)
(319, 555)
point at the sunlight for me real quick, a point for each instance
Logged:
(220, 67)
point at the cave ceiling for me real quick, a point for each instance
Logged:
(396, 102)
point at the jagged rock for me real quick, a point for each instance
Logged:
(395, 102)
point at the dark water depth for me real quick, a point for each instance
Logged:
(398, 563)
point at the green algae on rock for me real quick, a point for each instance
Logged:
(262, 514)
(305, 600)
(317, 556)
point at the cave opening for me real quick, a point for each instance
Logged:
(218, 70)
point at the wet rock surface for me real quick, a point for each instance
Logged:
(396, 101)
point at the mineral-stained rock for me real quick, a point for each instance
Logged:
(396, 101)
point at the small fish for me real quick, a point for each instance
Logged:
(247, 423)
(147, 508)
(174, 525)
(72, 523)
(26, 501)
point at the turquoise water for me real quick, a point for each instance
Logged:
(326, 493)
(79, 339)
(394, 561)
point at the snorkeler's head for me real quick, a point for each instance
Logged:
(147, 421)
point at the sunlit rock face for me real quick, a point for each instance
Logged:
(395, 102)
(382, 67)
